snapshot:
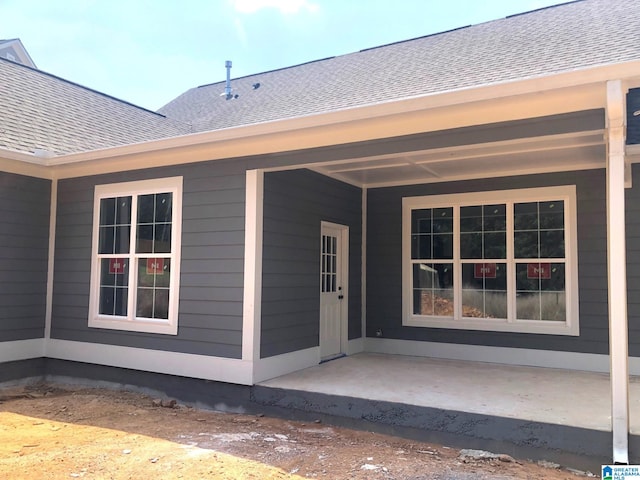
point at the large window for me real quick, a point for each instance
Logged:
(503, 261)
(136, 256)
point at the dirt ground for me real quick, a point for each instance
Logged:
(64, 432)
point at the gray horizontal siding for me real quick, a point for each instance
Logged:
(295, 203)
(384, 264)
(633, 121)
(633, 261)
(211, 276)
(24, 243)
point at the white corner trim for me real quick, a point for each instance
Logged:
(22, 350)
(271, 367)
(479, 353)
(252, 296)
(53, 208)
(219, 369)
(363, 263)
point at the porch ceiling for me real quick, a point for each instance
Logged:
(550, 153)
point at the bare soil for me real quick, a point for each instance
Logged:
(64, 432)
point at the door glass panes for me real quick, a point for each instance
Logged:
(115, 225)
(114, 282)
(540, 291)
(153, 288)
(484, 290)
(483, 232)
(539, 229)
(329, 264)
(433, 289)
(432, 234)
(153, 233)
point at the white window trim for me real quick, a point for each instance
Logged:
(566, 193)
(132, 323)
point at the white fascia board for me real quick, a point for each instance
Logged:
(24, 164)
(579, 89)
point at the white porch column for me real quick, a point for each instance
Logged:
(252, 300)
(617, 274)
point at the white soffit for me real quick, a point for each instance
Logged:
(553, 153)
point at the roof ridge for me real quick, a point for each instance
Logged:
(416, 38)
(56, 77)
(544, 8)
(443, 32)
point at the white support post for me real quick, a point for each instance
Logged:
(617, 276)
(252, 300)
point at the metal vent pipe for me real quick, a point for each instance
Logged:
(227, 89)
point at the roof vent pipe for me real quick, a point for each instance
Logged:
(227, 89)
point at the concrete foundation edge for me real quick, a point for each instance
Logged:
(569, 446)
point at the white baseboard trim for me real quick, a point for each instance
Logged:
(157, 361)
(244, 373)
(503, 355)
(22, 350)
(267, 368)
(634, 366)
(355, 346)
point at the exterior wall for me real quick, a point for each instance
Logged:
(295, 202)
(384, 264)
(211, 282)
(633, 121)
(24, 244)
(632, 206)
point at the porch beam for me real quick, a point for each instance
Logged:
(617, 283)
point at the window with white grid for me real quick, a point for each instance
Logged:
(504, 261)
(135, 260)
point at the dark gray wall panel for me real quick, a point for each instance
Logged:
(211, 276)
(384, 264)
(633, 121)
(24, 244)
(295, 202)
(21, 370)
(633, 262)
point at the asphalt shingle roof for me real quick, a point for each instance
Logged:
(41, 111)
(556, 39)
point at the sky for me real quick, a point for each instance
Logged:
(148, 52)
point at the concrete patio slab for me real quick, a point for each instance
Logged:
(526, 411)
(562, 397)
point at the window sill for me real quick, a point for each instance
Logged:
(138, 325)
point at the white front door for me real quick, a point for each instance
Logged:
(333, 288)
